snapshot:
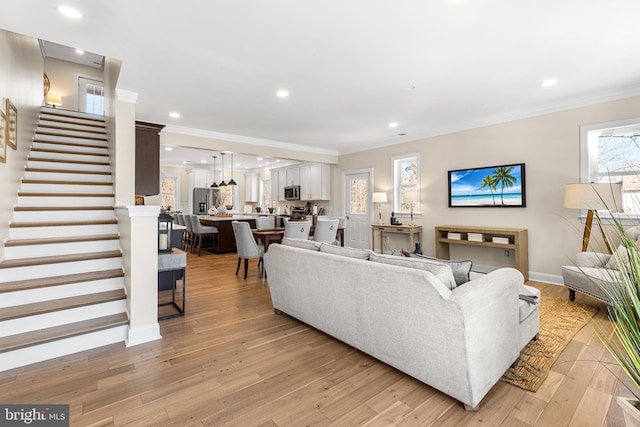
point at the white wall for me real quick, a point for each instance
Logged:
(21, 81)
(547, 144)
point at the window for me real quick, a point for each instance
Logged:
(406, 173)
(168, 193)
(90, 96)
(610, 153)
(358, 199)
(227, 195)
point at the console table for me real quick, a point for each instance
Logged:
(411, 230)
(174, 262)
(517, 239)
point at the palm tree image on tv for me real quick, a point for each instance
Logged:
(481, 186)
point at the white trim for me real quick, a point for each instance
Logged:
(138, 211)
(142, 335)
(246, 140)
(552, 279)
(396, 184)
(127, 96)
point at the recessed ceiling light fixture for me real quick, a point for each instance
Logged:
(282, 94)
(80, 51)
(393, 124)
(259, 159)
(549, 82)
(69, 12)
(168, 148)
(174, 115)
(203, 161)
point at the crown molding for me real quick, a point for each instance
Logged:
(127, 96)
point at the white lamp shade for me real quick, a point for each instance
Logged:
(54, 99)
(379, 198)
(411, 196)
(593, 196)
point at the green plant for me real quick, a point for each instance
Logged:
(624, 305)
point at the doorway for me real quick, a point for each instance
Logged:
(357, 193)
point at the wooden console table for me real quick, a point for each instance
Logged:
(405, 229)
(517, 241)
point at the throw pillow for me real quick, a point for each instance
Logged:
(441, 271)
(302, 243)
(348, 252)
(460, 269)
(621, 254)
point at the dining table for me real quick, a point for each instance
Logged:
(275, 235)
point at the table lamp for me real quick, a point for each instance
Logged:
(593, 197)
(379, 198)
(411, 196)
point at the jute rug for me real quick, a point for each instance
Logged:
(560, 320)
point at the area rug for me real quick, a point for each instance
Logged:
(560, 320)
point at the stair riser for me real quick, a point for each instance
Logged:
(71, 114)
(74, 148)
(51, 270)
(69, 133)
(67, 166)
(61, 176)
(66, 188)
(92, 142)
(64, 201)
(31, 251)
(39, 353)
(47, 216)
(80, 157)
(61, 231)
(10, 299)
(67, 124)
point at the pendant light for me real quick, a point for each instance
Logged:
(222, 183)
(214, 185)
(231, 181)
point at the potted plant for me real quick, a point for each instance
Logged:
(624, 315)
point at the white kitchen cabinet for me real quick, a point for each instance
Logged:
(251, 193)
(293, 175)
(282, 182)
(202, 178)
(315, 181)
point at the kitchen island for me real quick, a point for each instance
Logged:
(226, 241)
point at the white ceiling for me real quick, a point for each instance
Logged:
(351, 67)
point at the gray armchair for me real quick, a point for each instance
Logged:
(246, 245)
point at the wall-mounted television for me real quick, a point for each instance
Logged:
(493, 186)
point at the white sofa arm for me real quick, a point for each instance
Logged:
(592, 259)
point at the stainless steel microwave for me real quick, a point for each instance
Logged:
(292, 192)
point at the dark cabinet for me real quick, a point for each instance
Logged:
(147, 158)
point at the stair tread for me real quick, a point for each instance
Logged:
(52, 240)
(40, 194)
(71, 144)
(92, 138)
(73, 162)
(52, 181)
(19, 224)
(61, 119)
(67, 279)
(56, 259)
(50, 306)
(62, 208)
(65, 128)
(67, 171)
(59, 112)
(42, 336)
(75, 153)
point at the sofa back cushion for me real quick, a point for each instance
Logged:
(460, 269)
(301, 243)
(442, 271)
(348, 252)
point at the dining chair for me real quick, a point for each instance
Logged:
(297, 229)
(246, 245)
(342, 223)
(264, 222)
(188, 234)
(180, 219)
(200, 232)
(326, 231)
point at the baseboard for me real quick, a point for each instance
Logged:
(552, 279)
(143, 334)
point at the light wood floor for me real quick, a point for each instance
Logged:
(232, 361)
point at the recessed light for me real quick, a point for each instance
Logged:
(203, 161)
(282, 94)
(393, 124)
(549, 82)
(69, 12)
(80, 51)
(168, 148)
(238, 164)
(174, 115)
(259, 159)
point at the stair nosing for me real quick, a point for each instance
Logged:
(73, 144)
(47, 126)
(57, 259)
(43, 170)
(57, 120)
(67, 279)
(57, 114)
(39, 194)
(62, 208)
(55, 240)
(72, 153)
(73, 162)
(54, 182)
(29, 224)
(68, 330)
(59, 135)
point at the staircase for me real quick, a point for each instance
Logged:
(62, 282)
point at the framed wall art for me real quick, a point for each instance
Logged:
(12, 125)
(3, 137)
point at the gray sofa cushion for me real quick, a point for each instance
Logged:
(302, 243)
(441, 271)
(460, 269)
(348, 252)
